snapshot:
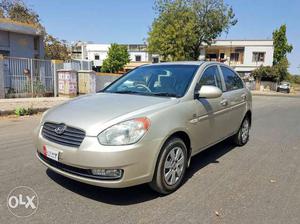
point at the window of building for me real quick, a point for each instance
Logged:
(36, 43)
(234, 56)
(4, 53)
(97, 57)
(211, 57)
(211, 77)
(258, 56)
(155, 60)
(138, 58)
(232, 80)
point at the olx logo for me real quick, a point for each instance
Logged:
(22, 201)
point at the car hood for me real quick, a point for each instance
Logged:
(94, 113)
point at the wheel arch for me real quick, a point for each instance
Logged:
(249, 115)
(184, 136)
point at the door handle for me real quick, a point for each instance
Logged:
(244, 96)
(224, 102)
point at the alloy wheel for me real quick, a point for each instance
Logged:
(173, 166)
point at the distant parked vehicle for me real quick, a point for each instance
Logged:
(284, 87)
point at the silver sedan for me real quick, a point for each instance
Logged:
(146, 126)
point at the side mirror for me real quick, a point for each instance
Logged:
(209, 92)
(106, 84)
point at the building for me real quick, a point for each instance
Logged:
(20, 40)
(98, 53)
(243, 55)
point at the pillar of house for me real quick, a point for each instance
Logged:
(2, 90)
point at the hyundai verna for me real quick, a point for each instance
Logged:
(145, 126)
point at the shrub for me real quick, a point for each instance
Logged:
(21, 111)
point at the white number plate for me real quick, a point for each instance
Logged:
(52, 154)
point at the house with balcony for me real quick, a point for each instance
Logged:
(97, 53)
(20, 39)
(243, 55)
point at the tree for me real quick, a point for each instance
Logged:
(117, 57)
(16, 10)
(281, 46)
(182, 26)
(281, 70)
(172, 34)
(56, 49)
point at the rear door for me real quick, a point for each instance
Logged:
(236, 94)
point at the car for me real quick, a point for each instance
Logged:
(145, 126)
(284, 87)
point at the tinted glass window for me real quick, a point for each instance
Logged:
(232, 80)
(160, 80)
(211, 77)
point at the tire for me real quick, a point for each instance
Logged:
(288, 91)
(167, 180)
(242, 136)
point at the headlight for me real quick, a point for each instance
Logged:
(125, 133)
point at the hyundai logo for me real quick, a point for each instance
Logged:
(60, 129)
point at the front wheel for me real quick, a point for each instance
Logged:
(171, 167)
(242, 136)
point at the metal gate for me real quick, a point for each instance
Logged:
(27, 77)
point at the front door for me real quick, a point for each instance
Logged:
(211, 114)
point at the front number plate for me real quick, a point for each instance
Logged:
(51, 154)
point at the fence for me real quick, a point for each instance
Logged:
(27, 77)
(103, 78)
(78, 65)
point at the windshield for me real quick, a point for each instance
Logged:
(158, 80)
(285, 84)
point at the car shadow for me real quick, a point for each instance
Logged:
(140, 193)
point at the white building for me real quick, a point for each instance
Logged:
(98, 53)
(243, 55)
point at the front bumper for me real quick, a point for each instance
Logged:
(137, 161)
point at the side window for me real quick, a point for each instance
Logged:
(232, 80)
(211, 77)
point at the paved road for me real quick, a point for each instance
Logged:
(257, 183)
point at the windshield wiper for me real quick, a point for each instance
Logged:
(126, 91)
(147, 93)
(165, 94)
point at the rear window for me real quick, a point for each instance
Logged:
(232, 80)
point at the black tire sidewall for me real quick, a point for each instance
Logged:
(160, 180)
(240, 132)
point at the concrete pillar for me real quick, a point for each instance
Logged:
(2, 90)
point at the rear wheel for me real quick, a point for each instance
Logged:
(242, 136)
(171, 167)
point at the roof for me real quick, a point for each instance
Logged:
(242, 43)
(179, 63)
(17, 27)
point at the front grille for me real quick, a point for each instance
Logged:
(70, 137)
(73, 170)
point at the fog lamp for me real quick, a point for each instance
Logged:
(108, 173)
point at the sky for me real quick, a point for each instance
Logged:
(128, 21)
